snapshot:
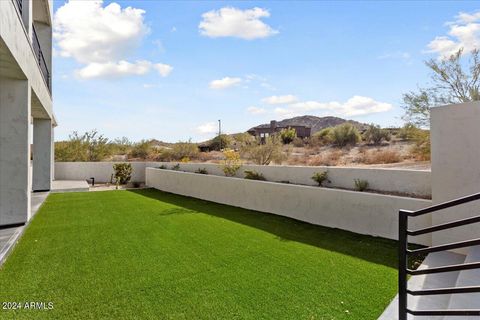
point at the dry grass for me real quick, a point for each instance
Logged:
(330, 158)
(379, 156)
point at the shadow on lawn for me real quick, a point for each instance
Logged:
(372, 249)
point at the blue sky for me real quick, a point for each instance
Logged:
(170, 70)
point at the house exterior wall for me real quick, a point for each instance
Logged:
(25, 98)
(455, 138)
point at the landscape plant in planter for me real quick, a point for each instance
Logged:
(122, 173)
(320, 178)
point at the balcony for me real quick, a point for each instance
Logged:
(41, 59)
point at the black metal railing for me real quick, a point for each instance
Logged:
(405, 253)
(19, 5)
(41, 59)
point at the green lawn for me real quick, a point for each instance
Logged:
(152, 255)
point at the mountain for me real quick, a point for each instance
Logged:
(316, 123)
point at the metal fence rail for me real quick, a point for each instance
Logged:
(404, 253)
(41, 59)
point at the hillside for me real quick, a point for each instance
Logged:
(316, 123)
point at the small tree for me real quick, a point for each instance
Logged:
(122, 172)
(288, 135)
(451, 83)
(231, 164)
(376, 135)
(345, 134)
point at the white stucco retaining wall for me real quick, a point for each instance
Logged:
(360, 212)
(416, 182)
(389, 180)
(101, 171)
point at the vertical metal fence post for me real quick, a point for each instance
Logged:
(402, 264)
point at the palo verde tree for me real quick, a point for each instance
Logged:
(454, 80)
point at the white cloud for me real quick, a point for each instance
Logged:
(224, 83)
(210, 127)
(355, 106)
(121, 69)
(286, 99)
(233, 22)
(102, 38)
(396, 55)
(163, 69)
(256, 111)
(463, 33)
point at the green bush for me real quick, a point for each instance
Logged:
(122, 172)
(376, 135)
(271, 150)
(182, 150)
(220, 142)
(253, 175)
(162, 167)
(320, 177)
(288, 135)
(345, 134)
(232, 163)
(176, 167)
(140, 149)
(361, 185)
(201, 171)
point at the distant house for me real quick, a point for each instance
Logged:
(264, 131)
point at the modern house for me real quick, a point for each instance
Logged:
(26, 115)
(264, 131)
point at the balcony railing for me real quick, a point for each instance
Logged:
(41, 59)
(405, 252)
(19, 5)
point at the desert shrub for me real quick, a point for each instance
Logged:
(380, 156)
(322, 137)
(201, 171)
(162, 167)
(91, 146)
(254, 175)
(122, 172)
(375, 135)
(220, 142)
(264, 153)
(186, 149)
(320, 177)
(121, 146)
(361, 185)
(297, 160)
(421, 149)
(345, 134)
(408, 132)
(287, 135)
(185, 160)
(140, 149)
(331, 158)
(231, 164)
(298, 142)
(176, 167)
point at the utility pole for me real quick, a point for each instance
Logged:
(220, 133)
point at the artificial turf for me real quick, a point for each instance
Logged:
(152, 255)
